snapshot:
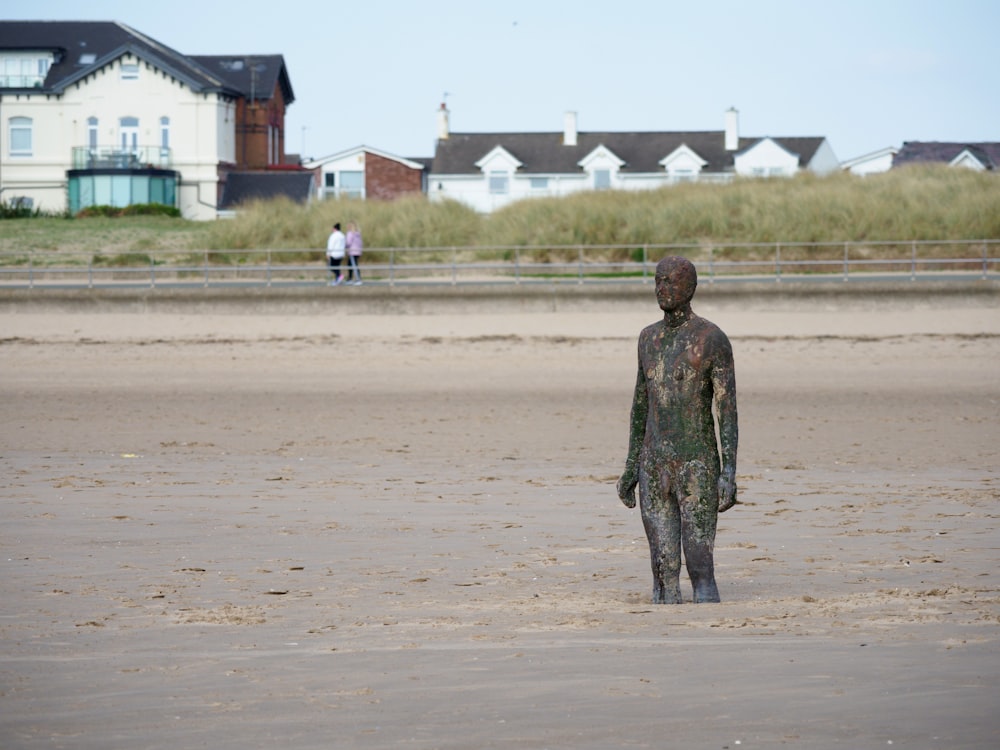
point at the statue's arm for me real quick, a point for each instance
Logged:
(637, 433)
(724, 386)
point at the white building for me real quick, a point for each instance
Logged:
(96, 113)
(490, 170)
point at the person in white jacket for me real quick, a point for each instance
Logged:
(335, 247)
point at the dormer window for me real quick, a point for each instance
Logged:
(88, 58)
(683, 164)
(130, 71)
(603, 166)
(24, 70)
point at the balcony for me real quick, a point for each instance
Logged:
(21, 81)
(115, 157)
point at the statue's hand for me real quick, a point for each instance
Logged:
(727, 492)
(626, 487)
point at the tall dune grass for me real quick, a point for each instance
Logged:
(914, 203)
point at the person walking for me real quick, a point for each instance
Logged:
(335, 247)
(354, 246)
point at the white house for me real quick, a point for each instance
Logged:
(490, 170)
(96, 113)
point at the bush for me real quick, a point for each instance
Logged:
(136, 209)
(17, 209)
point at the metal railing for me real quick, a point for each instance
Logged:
(579, 264)
(118, 157)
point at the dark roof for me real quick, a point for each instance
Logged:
(242, 187)
(254, 76)
(106, 41)
(921, 152)
(544, 153)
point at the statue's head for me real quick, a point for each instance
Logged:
(676, 280)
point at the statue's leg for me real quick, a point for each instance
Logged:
(661, 519)
(699, 506)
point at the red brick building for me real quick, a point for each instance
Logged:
(368, 173)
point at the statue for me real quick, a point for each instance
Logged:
(685, 363)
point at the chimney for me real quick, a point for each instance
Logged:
(569, 129)
(732, 129)
(443, 123)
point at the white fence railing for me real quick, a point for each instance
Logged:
(581, 264)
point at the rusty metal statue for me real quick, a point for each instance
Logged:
(685, 363)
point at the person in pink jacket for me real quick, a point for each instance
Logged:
(354, 246)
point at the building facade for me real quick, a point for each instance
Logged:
(490, 170)
(96, 113)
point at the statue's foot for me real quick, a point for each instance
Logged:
(706, 593)
(667, 594)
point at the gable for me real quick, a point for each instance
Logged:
(682, 160)
(499, 159)
(600, 158)
(968, 160)
(767, 157)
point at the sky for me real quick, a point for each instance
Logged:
(865, 74)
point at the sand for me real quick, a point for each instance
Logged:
(401, 531)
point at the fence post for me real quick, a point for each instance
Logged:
(645, 262)
(711, 264)
(517, 265)
(269, 267)
(847, 251)
(913, 260)
(777, 262)
(392, 267)
(985, 264)
(205, 268)
(90, 272)
(152, 271)
(454, 266)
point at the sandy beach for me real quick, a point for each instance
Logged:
(255, 529)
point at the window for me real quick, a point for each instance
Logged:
(539, 183)
(130, 71)
(602, 179)
(128, 127)
(19, 71)
(352, 184)
(330, 180)
(499, 183)
(92, 133)
(164, 141)
(19, 136)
